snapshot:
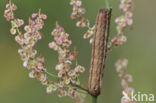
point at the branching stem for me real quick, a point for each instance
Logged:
(52, 75)
(78, 86)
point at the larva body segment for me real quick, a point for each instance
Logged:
(99, 49)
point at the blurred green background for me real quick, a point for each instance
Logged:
(17, 87)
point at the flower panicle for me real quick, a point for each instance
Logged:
(28, 40)
(121, 67)
(123, 21)
(68, 75)
(77, 13)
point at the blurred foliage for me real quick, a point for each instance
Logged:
(16, 87)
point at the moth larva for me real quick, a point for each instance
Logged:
(99, 49)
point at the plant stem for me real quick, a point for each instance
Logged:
(78, 86)
(94, 99)
(107, 4)
(110, 14)
(53, 75)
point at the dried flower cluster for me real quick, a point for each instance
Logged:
(78, 11)
(121, 67)
(8, 13)
(27, 41)
(68, 75)
(122, 22)
(68, 83)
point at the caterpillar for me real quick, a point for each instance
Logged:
(99, 49)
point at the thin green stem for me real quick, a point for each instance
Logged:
(52, 75)
(10, 4)
(78, 86)
(107, 4)
(110, 14)
(81, 91)
(94, 99)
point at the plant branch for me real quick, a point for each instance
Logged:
(78, 86)
(52, 75)
(109, 20)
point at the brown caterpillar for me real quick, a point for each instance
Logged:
(99, 49)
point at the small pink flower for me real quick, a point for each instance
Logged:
(80, 24)
(117, 20)
(129, 90)
(68, 62)
(79, 69)
(62, 93)
(59, 67)
(43, 77)
(128, 14)
(49, 89)
(13, 31)
(130, 22)
(123, 7)
(71, 73)
(72, 2)
(34, 15)
(81, 10)
(61, 74)
(44, 16)
(19, 40)
(14, 7)
(32, 22)
(59, 41)
(25, 63)
(69, 42)
(19, 22)
(91, 41)
(75, 8)
(27, 29)
(8, 15)
(32, 74)
(78, 3)
(7, 6)
(128, 77)
(66, 35)
(82, 69)
(61, 37)
(123, 83)
(59, 28)
(52, 45)
(74, 15)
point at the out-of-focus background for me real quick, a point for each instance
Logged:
(17, 87)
